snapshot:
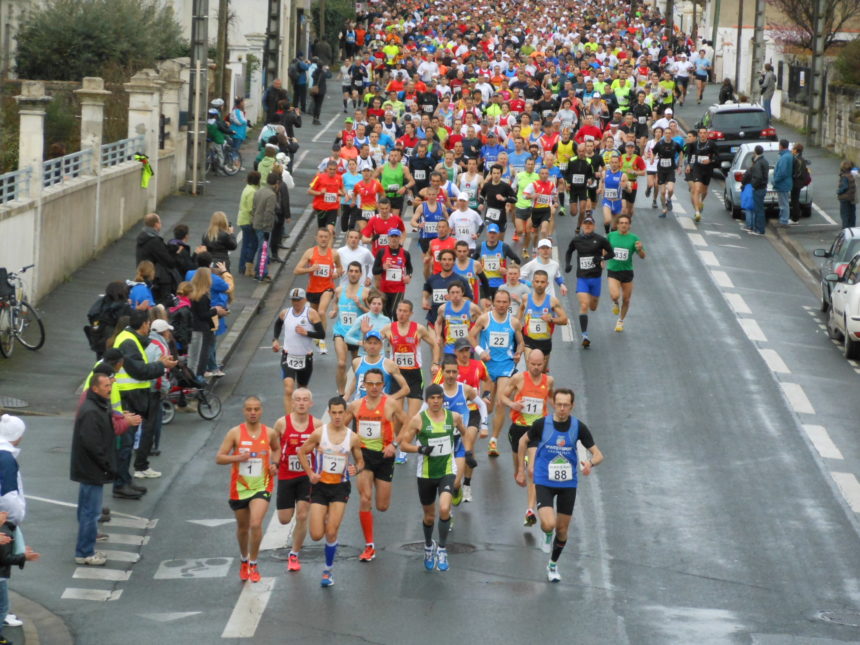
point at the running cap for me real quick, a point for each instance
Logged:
(588, 220)
(493, 228)
(160, 326)
(433, 390)
(462, 343)
(297, 294)
(373, 334)
(395, 231)
(545, 242)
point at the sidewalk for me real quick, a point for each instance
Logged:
(819, 230)
(47, 381)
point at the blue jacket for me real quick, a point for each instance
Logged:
(783, 171)
(218, 296)
(140, 292)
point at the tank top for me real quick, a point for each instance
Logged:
(431, 219)
(457, 402)
(251, 477)
(291, 441)
(457, 324)
(498, 339)
(333, 458)
(347, 311)
(297, 347)
(439, 435)
(533, 397)
(373, 428)
(404, 347)
(439, 245)
(470, 185)
(555, 457)
(391, 279)
(612, 185)
(363, 366)
(471, 277)
(392, 179)
(323, 278)
(533, 326)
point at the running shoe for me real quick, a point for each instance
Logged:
(654, 204)
(516, 238)
(467, 493)
(253, 573)
(525, 253)
(697, 217)
(457, 497)
(585, 342)
(546, 545)
(648, 191)
(619, 326)
(368, 554)
(400, 458)
(293, 563)
(327, 578)
(662, 215)
(430, 557)
(669, 203)
(442, 559)
(12, 621)
(323, 348)
(531, 518)
(552, 573)
(244, 570)
(615, 309)
(492, 449)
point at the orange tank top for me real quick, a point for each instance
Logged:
(323, 278)
(374, 430)
(533, 397)
(252, 476)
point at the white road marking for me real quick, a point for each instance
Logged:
(820, 326)
(738, 303)
(687, 223)
(797, 398)
(732, 246)
(73, 593)
(857, 369)
(567, 333)
(822, 442)
(709, 258)
(821, 212)
(807, 307)
(193, 568)
(169, 617)
(722, 279)
(697, 239)
(101, 573)
(214, 523)
(277, 535)
(721, 234)
(249, 609)
(70, 505)
(125, 538)
(300, 159)
(854, 363)
(850, 489)
(327, 126)
(120, 556)
(752, 330)
(774, 361)
(129, 523)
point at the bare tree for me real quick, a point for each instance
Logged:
(798, 26)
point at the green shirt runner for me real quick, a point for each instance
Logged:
(625, 248)
(440, 435)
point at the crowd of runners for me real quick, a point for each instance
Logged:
(475, 130)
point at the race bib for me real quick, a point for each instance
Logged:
(464, 230)
(393, 188)
(532, 405)
(643, 120)
(578, 179)
(334, 464)
(322, 270)
(294, 465)
(382, 240)
(439, 295)
(544, 200)
(330, 198)
(622, 254)
(394, 274)
(704, 158)
(562, 166)
(430, 227)
(370, 429)
(492, 263)
(458, 331)
(253, 467)
(347, 318)
(420, 175)
(538, 327)
(441, 446)
(428, 109)
(586, 263)
(610, 193)
(665, 162)
(499, 339)
(404, 359)
(296, 361)
(493, 214)
(560, 470)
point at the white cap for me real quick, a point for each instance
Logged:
(668, 111)
(11, 428)
(463, 196)
(545, 242)
(160, 326)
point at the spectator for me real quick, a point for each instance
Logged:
(202, 325)
(282, 192)
(267, 162)
(782, 181)
(219, 239)
(220, 295)
(159, 347)
(300, 81)
(184, 255)
(151, 247)
(265, 212)
(767, 84)
(104, 315)
(319, 75)
(243, 220)
(727, 92)
(180, 318)
(799, 178)
(270, 100)
(239, 123)
(10, 556)
(846, 193)
(756, 175)
(93, 463)
(140, 289)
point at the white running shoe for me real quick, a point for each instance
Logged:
(552, 573)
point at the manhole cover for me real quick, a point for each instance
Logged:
(453, 547)
(12, 402)
(844, 617)
(316, 553)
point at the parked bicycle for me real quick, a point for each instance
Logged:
(225, 159)
(18, 319)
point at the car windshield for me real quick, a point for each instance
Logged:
(732, 121)
(770, 156)
(848, 250)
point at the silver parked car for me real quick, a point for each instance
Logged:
(741, 163)
(835, 259)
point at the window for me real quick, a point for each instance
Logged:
(848, 250)
(735, 121)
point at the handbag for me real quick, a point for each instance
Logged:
(315, 89)
(747, 201)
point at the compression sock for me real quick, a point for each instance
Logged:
(583, 322)
(444, 527)
(329, 554)
(606, 228)
(557, 547)
(467, 481)
(366, 519)
(428, 535)
(345, 101)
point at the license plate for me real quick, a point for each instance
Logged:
(734, 148)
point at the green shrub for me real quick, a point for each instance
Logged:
(847, 64)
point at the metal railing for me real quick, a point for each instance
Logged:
(121, 151)
(57, 171)
(14, 184)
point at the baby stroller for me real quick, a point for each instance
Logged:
(184, 387)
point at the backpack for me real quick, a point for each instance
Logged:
(293, 70)
(800, 173)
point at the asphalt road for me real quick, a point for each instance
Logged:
(714, 519)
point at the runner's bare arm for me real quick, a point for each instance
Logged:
(224, 457)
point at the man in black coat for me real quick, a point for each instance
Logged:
(150, 246)
(93, 463)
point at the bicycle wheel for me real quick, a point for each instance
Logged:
(7, 335)
(168, 411)
(208, 405)
(232, 163)
(29, 328)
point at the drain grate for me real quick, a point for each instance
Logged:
(12, 402)
(840, 617)
(453, 547)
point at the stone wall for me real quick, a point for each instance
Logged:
(842, 121)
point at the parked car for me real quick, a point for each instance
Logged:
(843, 321)
(836, 258)
(730, 125)
(741, 162)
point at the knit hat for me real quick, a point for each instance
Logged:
(11, 428)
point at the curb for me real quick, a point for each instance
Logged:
(40, 624)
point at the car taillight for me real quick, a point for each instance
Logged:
(841, 269)
(768, 132)
(715, 135)
(739, 176)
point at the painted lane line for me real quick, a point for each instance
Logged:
(124, 538)
(697, 239)
(822, 442)
(567, 333)
(133, 523)
(819, 210)
(850, 489)
(169, 617)
(249, 609)
(857, 369)
(797, 398)
(738, 303)
(774, 361)
(687, 224)
(277, 535)
(70, 505)
(678, 207)
(73, 593)
(300, 159)
(121, 556)
(807, 307)
(709, 258)
(327, 126)
(722, 279)
(91, 573)
(853, 363)
(752, 330)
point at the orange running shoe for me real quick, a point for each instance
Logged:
(368, 555)
(293, 563)
(244, 571)
(254, 573)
